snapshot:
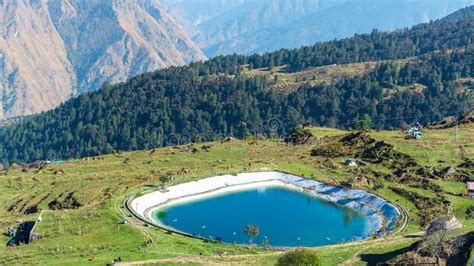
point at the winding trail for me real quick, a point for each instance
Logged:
(138, 224)
(184, 259)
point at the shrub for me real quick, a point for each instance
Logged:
(470, 212)
(351, 180)
(379, 184)
(299, 257)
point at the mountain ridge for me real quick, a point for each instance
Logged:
(74, 50)
(216, 98)
(251, 26)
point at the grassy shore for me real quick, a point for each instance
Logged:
(93, 233)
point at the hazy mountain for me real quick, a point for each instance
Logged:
(51, 50)
(192, 13)
(218, 26)
(250, 26)
(35, 73)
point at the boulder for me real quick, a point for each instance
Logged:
(362, 181)
(447, 223)
(449, 170)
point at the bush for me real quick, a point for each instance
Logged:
(470, 212)
(379, 184)
(299, 257)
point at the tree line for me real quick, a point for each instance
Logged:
(210, 100)
(454, 31)
(148, 112)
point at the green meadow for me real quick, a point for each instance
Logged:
(92, 232)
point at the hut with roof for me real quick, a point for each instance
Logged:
(470, 189)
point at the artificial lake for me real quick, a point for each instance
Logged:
(286, 217)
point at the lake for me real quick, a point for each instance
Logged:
(285, 217)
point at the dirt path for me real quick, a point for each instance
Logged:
(218, 260)
(181, 260)
(133, 221)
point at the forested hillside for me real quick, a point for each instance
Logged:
(457, 30)
(208, 100)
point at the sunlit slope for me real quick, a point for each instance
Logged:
(87, 194)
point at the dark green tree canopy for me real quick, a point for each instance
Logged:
(211, 100)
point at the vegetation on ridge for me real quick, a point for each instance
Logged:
(152, 111)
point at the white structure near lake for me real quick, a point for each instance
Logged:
(382, 215)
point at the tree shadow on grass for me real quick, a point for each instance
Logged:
(380, 259)
(462, 257)
(412, 236)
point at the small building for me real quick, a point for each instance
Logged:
(415, 131)
(470, 189)
(449, 170)
(412, 129)
(351, 162)
(416, 135)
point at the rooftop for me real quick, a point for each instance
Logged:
(470, 185)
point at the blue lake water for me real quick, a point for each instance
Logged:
(286, 217)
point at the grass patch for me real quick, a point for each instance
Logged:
(93, 234)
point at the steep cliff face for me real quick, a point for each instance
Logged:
(51, 50)
(35, 73)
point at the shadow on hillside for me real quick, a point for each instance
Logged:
(462, 257)
(380, 259)
(23, 234)
(459, 258)
(411, 236)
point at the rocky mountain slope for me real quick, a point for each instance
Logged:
(254, 26)
(51, 50)
(35, 72)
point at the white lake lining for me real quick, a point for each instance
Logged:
(381, 215)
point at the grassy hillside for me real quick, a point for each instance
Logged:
(88, 194)
(281, 79)
(397, 78)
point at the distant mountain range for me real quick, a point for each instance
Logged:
(254, 26)
(51, 50)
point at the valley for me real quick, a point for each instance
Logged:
(366, 75)
(129, 147)
(92, 233)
